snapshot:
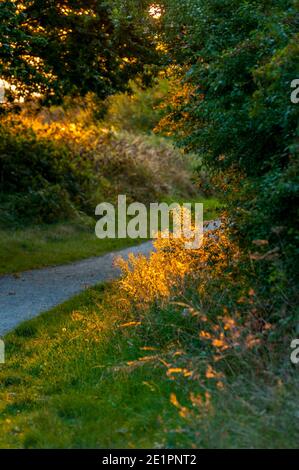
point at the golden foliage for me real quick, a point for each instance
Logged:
(146, 280)
(139, 166)
(175, 121)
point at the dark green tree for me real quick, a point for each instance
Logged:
(238, 51)
(16, 46)
(68, 47)
(241, 58)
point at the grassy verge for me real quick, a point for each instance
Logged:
(49, 245)
(85, 375)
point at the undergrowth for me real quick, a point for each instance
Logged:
(57, 163)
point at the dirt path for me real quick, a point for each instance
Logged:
(34, 292)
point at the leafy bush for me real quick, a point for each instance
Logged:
(41, 180)
(49, 204)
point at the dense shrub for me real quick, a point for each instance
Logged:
(41, 180)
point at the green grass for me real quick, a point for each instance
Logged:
(56, 244)
(60, 387)
(50, 245)
(67, 384)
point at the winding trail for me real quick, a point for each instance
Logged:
(33, 292)
(30, 293)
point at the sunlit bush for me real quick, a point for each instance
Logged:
(166, 271)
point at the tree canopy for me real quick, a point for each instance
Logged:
(68, 47)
